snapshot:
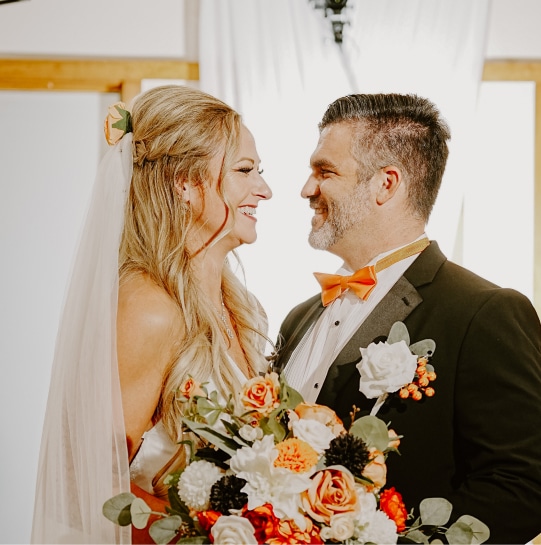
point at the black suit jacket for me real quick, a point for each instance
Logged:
(477, 442)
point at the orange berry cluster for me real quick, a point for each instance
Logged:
(420, 386)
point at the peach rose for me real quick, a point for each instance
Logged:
(332, 492)
(376, 470)
(394, 440)
(321, 413)
(260, 394)
(287, 532)
(190, 388)
(117, 123)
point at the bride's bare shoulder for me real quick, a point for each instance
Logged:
(146, 307)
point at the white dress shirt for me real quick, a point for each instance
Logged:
(325, 339)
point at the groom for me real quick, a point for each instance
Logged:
(474, 436)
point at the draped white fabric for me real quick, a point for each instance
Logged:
(277, 63)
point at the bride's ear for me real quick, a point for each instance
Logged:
(183, 190)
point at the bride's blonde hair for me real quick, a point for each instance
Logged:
(176, 132)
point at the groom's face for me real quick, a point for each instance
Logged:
(341, 203)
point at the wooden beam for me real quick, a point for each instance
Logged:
(101, 75)
(512, 70)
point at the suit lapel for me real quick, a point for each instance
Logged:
(395, 306)
(313, 312)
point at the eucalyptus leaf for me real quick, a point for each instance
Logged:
(124, 517)
(164, 530)
(140, 513)
(372, 431)
(459, 533)
(416, 536)
(423, 348)
(399, 332)
(435, 511)
(114, 506)
(480, 531)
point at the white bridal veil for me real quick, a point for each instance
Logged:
(83, 459)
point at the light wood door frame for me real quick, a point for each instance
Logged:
(124, 76)
(515, 70)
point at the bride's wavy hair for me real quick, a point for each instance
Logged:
(176, 133)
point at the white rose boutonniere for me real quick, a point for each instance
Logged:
(394, 365)
(385, 368)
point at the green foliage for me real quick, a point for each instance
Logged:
(434, 514)
(435, 511)
(372, 431)
(117, 508)
(140, 513)
(227, 444)
(164, 530)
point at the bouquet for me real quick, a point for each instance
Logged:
(266, 467)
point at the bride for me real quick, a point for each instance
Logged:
(152, 301)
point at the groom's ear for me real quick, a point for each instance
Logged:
(390, 181)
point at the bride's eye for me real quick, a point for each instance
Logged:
(260, 171)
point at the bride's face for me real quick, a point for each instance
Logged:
(243, 188)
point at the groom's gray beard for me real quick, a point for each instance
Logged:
(341, 216)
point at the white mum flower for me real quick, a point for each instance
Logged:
(381, 530)
(268, 484)
(195, 483)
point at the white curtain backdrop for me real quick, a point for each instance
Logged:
(276, 62)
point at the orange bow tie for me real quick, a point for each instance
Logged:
(364, 280)
(361, 283)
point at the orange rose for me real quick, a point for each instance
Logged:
(390, 502)
(376, 470)
(332, 492)
(190, 388)
(263, 520)
(296, 455)
(287, 532)
(260, 394)
(321, 413)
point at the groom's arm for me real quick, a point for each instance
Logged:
(498, 419)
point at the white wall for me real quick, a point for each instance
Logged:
(49, 147)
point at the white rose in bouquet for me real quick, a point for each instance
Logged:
(232, 530)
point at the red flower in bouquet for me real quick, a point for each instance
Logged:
(390, 501)
(263, 520)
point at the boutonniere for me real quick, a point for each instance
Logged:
(396, 366)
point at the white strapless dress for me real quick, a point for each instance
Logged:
(157, 448)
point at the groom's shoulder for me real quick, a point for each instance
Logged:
(298, 312)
